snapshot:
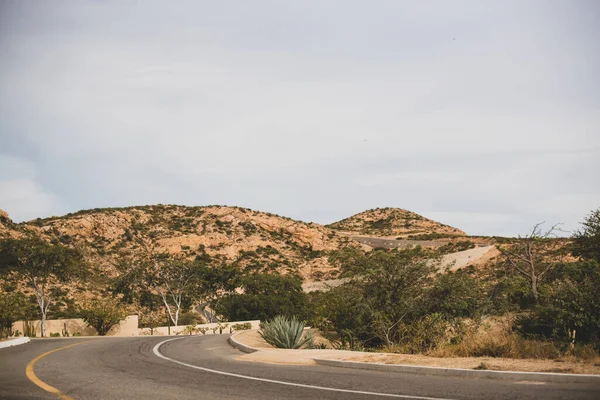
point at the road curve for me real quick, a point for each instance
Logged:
(184, 368)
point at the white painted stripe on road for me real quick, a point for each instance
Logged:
(157, 352)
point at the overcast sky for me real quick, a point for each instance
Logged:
(484, 115)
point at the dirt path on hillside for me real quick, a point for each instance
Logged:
(467, 257)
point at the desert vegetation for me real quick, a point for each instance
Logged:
(286, 333)
(537, 297)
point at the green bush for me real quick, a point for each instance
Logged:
(188, 318)
(242, 327)
(286, 333)
(103, 315)
(587, 240)
(455, 295)
(570, 303)
(264, 297)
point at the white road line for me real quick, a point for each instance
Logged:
(157, 352)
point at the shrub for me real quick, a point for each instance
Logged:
(188, 319)
(189, 330)
(103, 315)
(264, 297)
(455, 295)
(568, 304)
(587, 239)
(286, 333)
(242, 327)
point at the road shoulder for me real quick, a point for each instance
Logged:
(247, 342)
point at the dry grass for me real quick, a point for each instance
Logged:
(494, 337)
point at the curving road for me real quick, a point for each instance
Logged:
(184, 368)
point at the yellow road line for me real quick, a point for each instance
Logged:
(33, 377)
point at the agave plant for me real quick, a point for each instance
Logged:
(286, 333)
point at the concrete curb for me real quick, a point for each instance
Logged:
(460, 372)
(14, 342)
(440, 371)
(241, 346)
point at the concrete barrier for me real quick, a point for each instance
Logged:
(127, 327)
(241, 346)
(179, 330)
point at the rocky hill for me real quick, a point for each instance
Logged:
(250, 239)
(394, 222)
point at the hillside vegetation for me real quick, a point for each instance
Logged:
(251, 239)
(165, 263)
(394, 222)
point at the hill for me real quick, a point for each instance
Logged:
(251, 239)
(396, 222)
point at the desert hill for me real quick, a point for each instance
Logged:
(394, 222)
(251, 239)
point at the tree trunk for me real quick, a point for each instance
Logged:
(167, 308)
(534, 290)
(43, 323)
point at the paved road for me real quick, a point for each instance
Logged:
(128, 368)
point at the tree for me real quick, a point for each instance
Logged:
(569, 307)
(533, 256)
(13, 306)
(264, 297)
(177, 282)
(103, 315)
(219, 282)
(45, 266)
(392, 285)
(345, 311)
(587, 240)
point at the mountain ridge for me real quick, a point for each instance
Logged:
(253, 240)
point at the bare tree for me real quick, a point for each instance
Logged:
(175, 281)
(533, 255)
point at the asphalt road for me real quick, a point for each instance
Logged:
(129, 368)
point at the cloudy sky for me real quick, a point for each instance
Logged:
(484, 115)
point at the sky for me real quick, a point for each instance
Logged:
(483, 114)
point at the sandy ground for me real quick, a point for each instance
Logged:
(308, 287)
(268, 354)
(467, 257)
